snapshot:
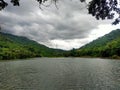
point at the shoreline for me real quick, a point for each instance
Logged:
(17, 59)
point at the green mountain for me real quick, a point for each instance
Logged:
(106, 46)
(14, 47)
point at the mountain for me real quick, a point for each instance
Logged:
(14, 47)
(106, 46)
(115, 34)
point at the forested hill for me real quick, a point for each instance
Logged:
(106, 46)
(102, 41)
(14, 47)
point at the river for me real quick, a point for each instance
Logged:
(60, 74)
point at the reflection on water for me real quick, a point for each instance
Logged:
(60, 74)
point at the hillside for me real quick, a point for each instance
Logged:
(14, 47)
(106, 46)
(102, 41)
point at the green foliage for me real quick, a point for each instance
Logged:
(106, 46)
(14, 47)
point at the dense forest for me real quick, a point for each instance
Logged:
(106, 46)
(14, 47)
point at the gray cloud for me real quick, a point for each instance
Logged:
(69, 22)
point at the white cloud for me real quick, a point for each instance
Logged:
(101, 30)
(67, 27)
(66, 44)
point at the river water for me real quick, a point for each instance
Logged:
(60, 74)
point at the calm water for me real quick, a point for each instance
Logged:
(60, 74)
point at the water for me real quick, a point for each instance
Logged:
(60, 74)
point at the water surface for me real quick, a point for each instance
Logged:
(60, 74)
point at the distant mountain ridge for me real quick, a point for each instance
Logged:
(14, 47)
(106, 46)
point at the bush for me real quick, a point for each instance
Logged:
(116, 57)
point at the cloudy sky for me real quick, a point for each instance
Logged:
(66, 27)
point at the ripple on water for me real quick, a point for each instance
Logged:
(60, 74)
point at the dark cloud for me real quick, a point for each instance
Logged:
(69, 22)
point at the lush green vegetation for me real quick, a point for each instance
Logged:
(14, 47)
(106, 46)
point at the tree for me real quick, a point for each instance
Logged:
(100, 9)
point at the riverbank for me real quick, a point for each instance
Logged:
(27, 58)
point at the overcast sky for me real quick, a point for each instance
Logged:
(67, 27)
